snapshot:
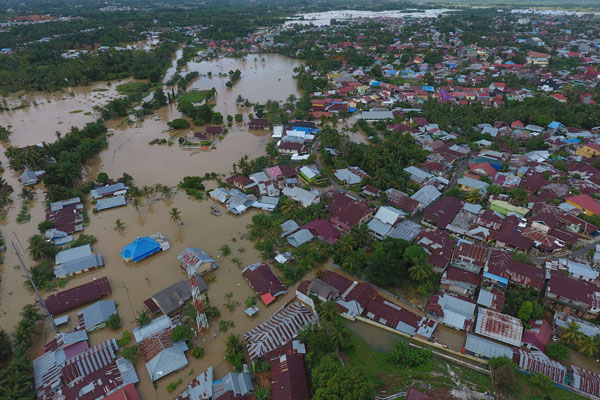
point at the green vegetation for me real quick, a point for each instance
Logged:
(124, 339)
(182, 333)
(179, 123)
(404, 355)
(131, 353)
(234, 353)
(557, 351)
(171, 386)
(133, 89)
(16, 374)
(234, 76)
(114, 322)
(198, 352)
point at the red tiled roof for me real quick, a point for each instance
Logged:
(443, 211)
(128, 392)
(335, 280)
(263, 280)
(350, 216)
(473, 253)
(586, 202)
(539, 334)
(566, 287)
(288, 378)
(323, 229)
(83, 294)
(459, 275)
(389, 315)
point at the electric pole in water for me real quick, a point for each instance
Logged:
(42, 302)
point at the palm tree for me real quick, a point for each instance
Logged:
(166, 191)
(234, 344)
(362, 235)
(175, 215)
(137, 204)
(587, 346)
(287, 207)
(189, 312)
(143, 318)
(339, 334)
(147, 191)
(571, 333)
(419, 272)
(39, 248)
(328, 311)
(26, 194)
(119, 225)
(474, 196)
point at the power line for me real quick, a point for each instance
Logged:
(42, 302)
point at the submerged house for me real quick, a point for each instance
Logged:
(196, 262)
(76, 260)
(266, 284)
(97, 315)
(143, 247)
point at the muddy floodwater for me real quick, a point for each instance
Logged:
(325, 17)
(263, 77)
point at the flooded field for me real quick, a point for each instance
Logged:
(324, 18)
(263, 77)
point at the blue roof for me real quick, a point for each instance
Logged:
(554, 125)
(375, 83)
(428, 88)
(140, 248)
(572, 141)
(500, 279)
(496, 164)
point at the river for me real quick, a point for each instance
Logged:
(325, 17)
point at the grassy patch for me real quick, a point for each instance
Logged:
(525, 391)
(133, 88)
(75, 111)
(100, 90)
(434, 374)
(194, 97)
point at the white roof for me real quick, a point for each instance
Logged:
(473, 183)
(426, 195)
(73, 254)
(157, 325)
(486, 348)
(347, 176)
(389, 215)
(580, 269)
(303, 196)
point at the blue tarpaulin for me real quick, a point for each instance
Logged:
(140, 249)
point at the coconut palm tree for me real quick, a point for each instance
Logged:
(143, 318)
(147, 192)
(175, 215)
(587, 346)
(571, 333)
(287, 207)
(137, 204)
(119, 225)
(166, 191)
(362, 235)
(39, 248)
(234, 344)
(474, 196)
(26, 194)
(328, 311)
(419, 272)
(339, 333)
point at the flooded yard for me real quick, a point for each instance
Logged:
(263, 77)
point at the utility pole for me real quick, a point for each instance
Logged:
(42, 302)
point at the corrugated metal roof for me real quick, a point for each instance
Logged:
(73, 254)
(110, 202)
(78, 265)
(501, 327)
(280, 328)
(486, 348)
(96, 314)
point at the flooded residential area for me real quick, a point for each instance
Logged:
(257, 202)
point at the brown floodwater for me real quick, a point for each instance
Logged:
(130, 152)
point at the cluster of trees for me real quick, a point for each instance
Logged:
(574, 338)
(47, 70)
(63, 159)
(383, 159)
(203, 114)
(234, 76)
(535, 110)
(16, 372)
(328, 377)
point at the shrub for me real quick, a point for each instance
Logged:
(124, 339)
(407, 356)
(198, 352)
(557, 351)
(114, 322)
(182, 332)
(130, 353)
(179, 123)
(171, 386)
